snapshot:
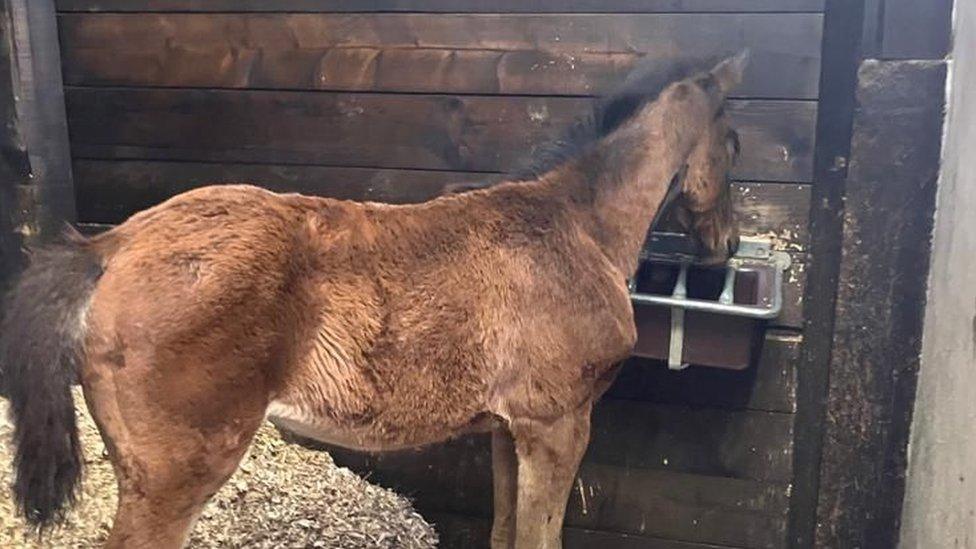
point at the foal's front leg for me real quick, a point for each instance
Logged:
(504, 469)
(549, 454)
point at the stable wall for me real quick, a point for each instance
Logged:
(397, 99)
(940, 503)
(392, 99)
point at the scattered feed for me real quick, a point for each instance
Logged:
(283, 495)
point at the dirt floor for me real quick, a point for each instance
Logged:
(282, 496)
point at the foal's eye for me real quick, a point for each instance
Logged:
(707, 82)
(732, 142)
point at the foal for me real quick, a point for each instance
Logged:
(370, 326)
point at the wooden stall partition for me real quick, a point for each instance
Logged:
(394, 99)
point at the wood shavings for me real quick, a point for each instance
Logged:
(283, 495)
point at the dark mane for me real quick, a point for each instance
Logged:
(644, 83)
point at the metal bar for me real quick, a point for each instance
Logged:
(728, 289)
(769, 311)
(676, 342)
(681, 286)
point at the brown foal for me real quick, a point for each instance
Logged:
(365, 325)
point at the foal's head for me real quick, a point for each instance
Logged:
(704, 208)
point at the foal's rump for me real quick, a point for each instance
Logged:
(200, 277)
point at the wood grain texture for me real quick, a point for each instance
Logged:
(444, 132)
(472, 532)
(843, 46)
(729, 444)
(768, 386)
(111, 190)
(794, 284)
(916, 30)
(633, 435)
(456, 477)
(584, 54)
(777, 211)
(581, 538)
(530, 6)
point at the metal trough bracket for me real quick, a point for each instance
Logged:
(753, 255)
(676, 343)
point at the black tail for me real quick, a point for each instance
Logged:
(40, 337)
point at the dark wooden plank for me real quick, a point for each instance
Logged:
(456, 478)
(780, 212)
(733, 444)
(111, 190)
(452, 6)
(872, 29)
(740, 444)
(768, 386)
(889, 207)
(472, 532)
(843, 31)
(794, 285)
(916, 30)
(581, 538)
(483, 54)
(676, 506)
(455, 530)
(466, 133)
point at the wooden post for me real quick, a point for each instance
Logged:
(841, 48)
(14, 166)
(862, 401)
(36, 191)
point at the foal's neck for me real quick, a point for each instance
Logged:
(621, 182)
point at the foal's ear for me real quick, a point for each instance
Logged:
(729, 73)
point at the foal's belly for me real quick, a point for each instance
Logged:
(368, 436)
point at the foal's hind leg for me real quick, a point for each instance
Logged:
(504, 469)
(549, 454)
(174, 438)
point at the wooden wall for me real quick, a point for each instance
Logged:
(391, 100)
(14, 165)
